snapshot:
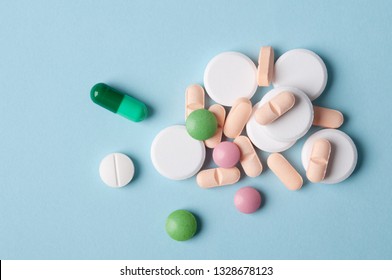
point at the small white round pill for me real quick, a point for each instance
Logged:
(116, 170)
(230, 76)
(343, 157)
(302, 69)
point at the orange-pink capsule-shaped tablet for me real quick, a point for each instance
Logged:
(265, 69)
(237, 118)
(327, 118)
(318, 162)
(275, 108)
(194, 99)
(220, 114)
(249, 160)
(216, 177)
(285, 171)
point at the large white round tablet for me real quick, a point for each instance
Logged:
(116, 170)
(296, 122)
(229, 76)
(175, 154)
(261, 139)
(343, 158)
(302, 69)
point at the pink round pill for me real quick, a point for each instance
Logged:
(247, 200)
(226, 154)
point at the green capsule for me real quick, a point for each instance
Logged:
(118, 103)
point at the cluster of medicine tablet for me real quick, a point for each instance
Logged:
(283, 115)
(273, 125)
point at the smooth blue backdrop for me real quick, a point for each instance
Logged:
(53, 204)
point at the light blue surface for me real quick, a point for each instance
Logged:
(52, 202)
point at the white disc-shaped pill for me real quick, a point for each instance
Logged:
(343, 157)
(116, 170)
(302, 69)
(229, 76)
(296, 122)
(261, 139)
(175, 154)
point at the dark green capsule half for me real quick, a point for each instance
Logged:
(118, 103)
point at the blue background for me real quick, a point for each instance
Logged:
(53, 204)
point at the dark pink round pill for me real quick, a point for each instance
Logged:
(226, 154)
(247, 200)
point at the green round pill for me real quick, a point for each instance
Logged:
(201, 124)
(181, 225)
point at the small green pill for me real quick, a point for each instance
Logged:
(201, 124)
(181, 225)
(118, 102)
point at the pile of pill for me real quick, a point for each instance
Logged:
(273, 125)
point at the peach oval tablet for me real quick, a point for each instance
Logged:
(343, 158)
(318, 162)
(194, 99)
(275, 108)
(285, 171)
(327, 118)
(220, 114)
(265, 69)
(237, 118)
(249, 160)
(216, 177)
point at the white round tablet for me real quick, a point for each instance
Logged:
(175, 154)
(261, 139)
(116, 170)
(343, 158)
(296, 122)
(229, 76)
(302, 69)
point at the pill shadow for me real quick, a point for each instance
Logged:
(331, 78)
(361, 154)
(263, 198)
(150, 110)
(198, 221)
(137, 167)
(346, 119)
(208, 159)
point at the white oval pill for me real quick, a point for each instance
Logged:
(261, 139)
(302, 69)
(175, 154)
(229, 76)
(296, 122)
(116, 170)
(343, 157)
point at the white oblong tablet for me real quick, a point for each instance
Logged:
(116, 170)
(175, 154)
(343, 158)
(261, 139)
(296, 122)
(302, 69)
(229, 76)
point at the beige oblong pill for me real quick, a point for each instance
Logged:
(318, 162)
(216, 177)
(194, 99)
(220, 114)
(327, 118)
(285, 171)
(249, 160)
(265, 69)
(237, 118)
(275, 108)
